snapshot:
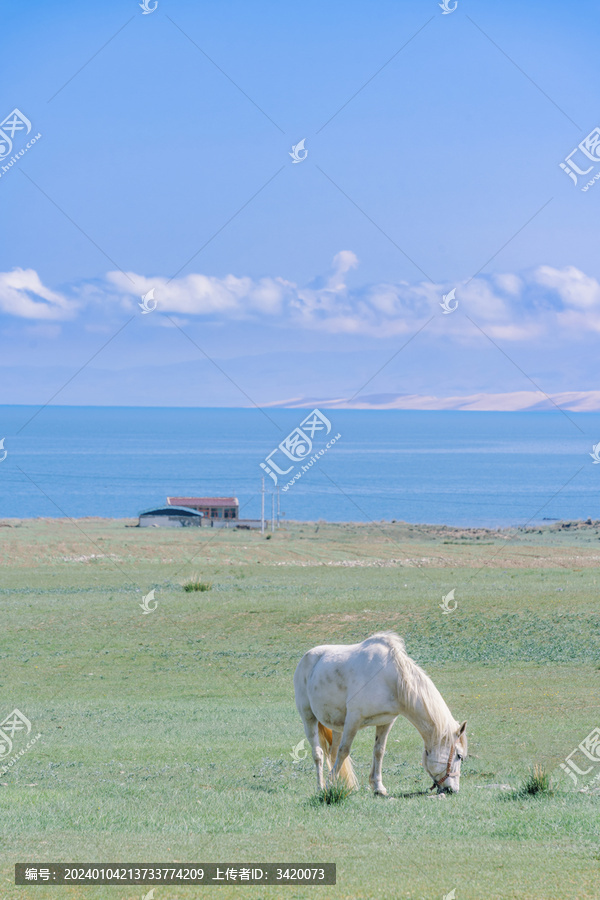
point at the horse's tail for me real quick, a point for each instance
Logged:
(346, 773)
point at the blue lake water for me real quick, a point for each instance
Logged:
(457, 468)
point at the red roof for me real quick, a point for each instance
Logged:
(202, 501)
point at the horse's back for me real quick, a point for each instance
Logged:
(305, 668)
(325, 655)
(331, 676)
(316, 673)
(340, 661)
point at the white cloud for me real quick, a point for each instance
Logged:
(509, 283)
(206, 295)
(483, 301)
(573, 287)
(327, 304)
(509, 307)
(514, 332)
(22, 294)
(342, 263)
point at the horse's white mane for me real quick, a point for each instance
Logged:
(414, 683)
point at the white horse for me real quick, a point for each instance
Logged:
(340, 689)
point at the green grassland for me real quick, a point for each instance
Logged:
(168, 736)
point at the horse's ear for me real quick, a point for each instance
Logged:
(462, 729)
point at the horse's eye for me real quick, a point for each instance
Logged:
(458, 756)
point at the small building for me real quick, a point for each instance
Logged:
(212, 507)
(170, 517)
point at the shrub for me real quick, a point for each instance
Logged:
(194, 584)
(333, 794)
(537, 782)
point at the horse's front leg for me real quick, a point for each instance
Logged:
(381, 736)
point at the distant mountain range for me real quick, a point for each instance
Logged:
(572, 401)
(306, 379)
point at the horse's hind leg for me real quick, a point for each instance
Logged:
(381, 736)
(351, 726)
(311, 729)
(333, 750)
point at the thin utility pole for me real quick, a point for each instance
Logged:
(262, 507)
(272, 511)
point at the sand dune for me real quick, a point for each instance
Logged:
(573, 401)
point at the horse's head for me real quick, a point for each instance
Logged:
(443, 761)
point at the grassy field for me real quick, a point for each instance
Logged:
(168, 736)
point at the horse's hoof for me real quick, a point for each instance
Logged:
(382, 793)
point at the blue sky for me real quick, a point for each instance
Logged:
(165, 163)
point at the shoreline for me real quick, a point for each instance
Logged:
(123, 548)
(431, 528)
